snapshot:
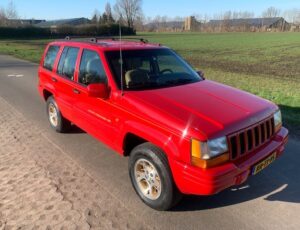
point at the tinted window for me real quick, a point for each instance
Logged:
(67, 62)
(91, 68)
(62, 61)
(50, 57)
(168, 63)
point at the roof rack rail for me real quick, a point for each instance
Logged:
(138, 39)
(87, 38)
(96, 39)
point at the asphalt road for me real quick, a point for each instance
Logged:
(270, 200)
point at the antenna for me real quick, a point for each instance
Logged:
(121, 58)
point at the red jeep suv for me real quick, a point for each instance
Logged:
(183, 134)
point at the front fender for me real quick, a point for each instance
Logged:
(166, 141)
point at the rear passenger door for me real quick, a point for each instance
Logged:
(46, 69)
(65, 81)
(93, 114)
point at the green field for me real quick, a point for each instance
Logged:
(266, 64)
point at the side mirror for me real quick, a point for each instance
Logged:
(201, 74)
(98, 90)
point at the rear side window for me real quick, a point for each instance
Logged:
(91, 68)
(67, 62)
(50, 57)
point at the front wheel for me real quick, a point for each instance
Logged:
(151, 177)
(57, 121)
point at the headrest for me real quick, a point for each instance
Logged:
(135, 78)
(93, 66)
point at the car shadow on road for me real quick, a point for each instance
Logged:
(291, 119)
(278, 182)
(75, 130)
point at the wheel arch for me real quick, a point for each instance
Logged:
(46, 94)
(130, 141)
(137, 134)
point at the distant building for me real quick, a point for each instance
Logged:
(64, 22)
(250, 24)
(24, 22)
(295, 27)
(168, 26)
(191, 24)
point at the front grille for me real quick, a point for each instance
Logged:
(246, 141)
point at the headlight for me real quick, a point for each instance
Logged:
(216, 147)
(210, 153)
(277, 120)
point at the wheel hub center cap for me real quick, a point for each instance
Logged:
(147, 179)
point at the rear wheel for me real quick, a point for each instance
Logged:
(56, 120)
(151, 177)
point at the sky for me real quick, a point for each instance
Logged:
(60, 9)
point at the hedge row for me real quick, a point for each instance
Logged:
(63, 31)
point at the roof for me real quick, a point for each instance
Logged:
(248, 21)
(27, 21)
(63, 22)
(110, 44)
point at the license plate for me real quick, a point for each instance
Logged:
(263, 164)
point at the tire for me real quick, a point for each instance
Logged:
(56, 120)
(141, 162)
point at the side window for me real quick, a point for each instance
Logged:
(91, 68)
(67, 62)
(50, 57)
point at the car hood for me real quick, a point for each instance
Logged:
(205, 107)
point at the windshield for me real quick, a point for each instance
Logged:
(150, 69)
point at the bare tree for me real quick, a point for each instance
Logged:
(128, 10)
(139, 23)
(271, 12)
(3, 18)
(96, 17)
(178, 18)
(148, 19)
(164, 20)
(297, 17)
(206, 18)
(11, 11)
(246, 14)
(236, 15)
(157, 22)
(226, 21)
(292, 15)
(198, 17)
(108, 13)
(8, 13)
(108, 9)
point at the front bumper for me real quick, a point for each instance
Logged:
(192, 180)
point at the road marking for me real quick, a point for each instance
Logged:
(15, 75)
(240, 188)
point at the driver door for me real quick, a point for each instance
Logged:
(94, 115)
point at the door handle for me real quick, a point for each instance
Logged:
(76, 91)
(54, 79)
